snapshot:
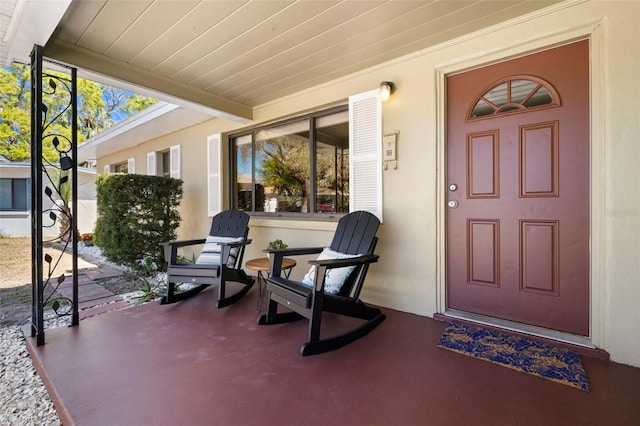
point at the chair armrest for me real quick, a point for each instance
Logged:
(182, 243)
(323, 265)
(171, 248)
(238, 244)
(276, 256)
(225, 251)
(351, 261)
(296, 251)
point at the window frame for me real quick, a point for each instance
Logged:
(162, 170)
(156, 162)
(122, 167)
(27, 189)
(312, 118)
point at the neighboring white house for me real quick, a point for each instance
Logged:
(15, 201)
(466, 74)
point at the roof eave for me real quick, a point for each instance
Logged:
(32, 22)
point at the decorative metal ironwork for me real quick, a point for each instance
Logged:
(53, 110)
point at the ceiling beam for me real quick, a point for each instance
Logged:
(70, 54)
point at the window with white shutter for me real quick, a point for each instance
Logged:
(175, 161)
(152, 163)
(365, 148)
(107, 168)
(214, 182)
(131, 165)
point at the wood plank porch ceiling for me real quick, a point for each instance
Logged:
(234, 55)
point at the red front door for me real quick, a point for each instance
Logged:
(518, 189)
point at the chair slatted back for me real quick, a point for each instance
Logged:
(355, 234)
(231, 223)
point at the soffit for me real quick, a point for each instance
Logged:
(158, 120)
(233, 55)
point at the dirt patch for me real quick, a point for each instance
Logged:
(123, 284)
(15, 305)
(15, 261)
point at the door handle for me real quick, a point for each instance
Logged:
(452, 204)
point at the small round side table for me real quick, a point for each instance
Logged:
(261, 266)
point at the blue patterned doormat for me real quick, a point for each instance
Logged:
(553, 363)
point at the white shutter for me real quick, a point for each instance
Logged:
(107, 168)
(152, 163)
(131, 165)
(214, 181)
(365, 153)
(174, 161)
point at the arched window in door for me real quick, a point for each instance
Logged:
(513, 94)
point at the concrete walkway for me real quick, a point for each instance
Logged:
(94, 299)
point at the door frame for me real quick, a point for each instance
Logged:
(592, 31)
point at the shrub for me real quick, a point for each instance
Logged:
(135, 214)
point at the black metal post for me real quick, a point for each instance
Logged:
(37, 311)
(54, 114)
(75, 317)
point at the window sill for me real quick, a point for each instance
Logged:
(319, 222)
(14, 213)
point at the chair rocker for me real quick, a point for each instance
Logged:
(354, 236)
(220, 261)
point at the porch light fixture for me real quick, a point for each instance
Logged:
(386, 89)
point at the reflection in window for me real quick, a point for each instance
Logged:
(498, 96)
(300, 166)
(243, 171)
(520, 90)
(332, 163)
(514, 94)
(282, 167)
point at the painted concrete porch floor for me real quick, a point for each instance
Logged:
(190, 364)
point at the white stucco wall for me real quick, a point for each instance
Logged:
(409, 275)
(18, 223)
(620, 209)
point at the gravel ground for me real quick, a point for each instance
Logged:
(23, 398)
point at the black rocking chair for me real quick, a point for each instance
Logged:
(355, 235)
(219, 262)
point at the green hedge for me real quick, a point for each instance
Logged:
(135, 214)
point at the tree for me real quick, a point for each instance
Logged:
(100, 107)
(285, 166)
(15, 113)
